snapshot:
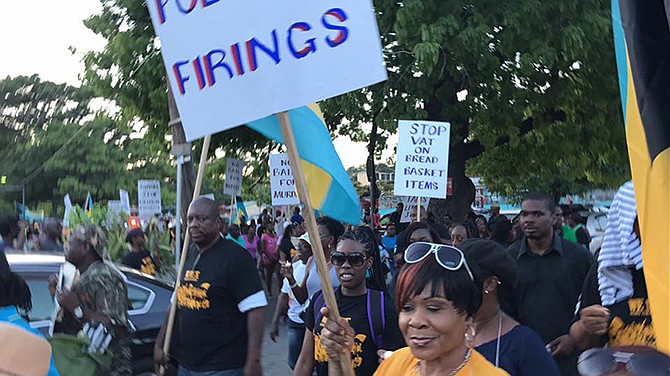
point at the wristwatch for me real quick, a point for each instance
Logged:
(78, 312)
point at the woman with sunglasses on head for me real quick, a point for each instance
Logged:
(437, 301)
(499, 338)
(361, 300)
(415, 232)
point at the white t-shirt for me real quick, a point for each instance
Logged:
(294, 307)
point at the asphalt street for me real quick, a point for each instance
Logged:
(274, 353)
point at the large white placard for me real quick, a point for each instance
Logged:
(281, 181)
(149, 197)
(410, 203)
(230, 62)
(422, 159)
(233, 184)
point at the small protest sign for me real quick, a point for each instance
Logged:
(422, 159)
(114, 210)
(410, 204)
(232, 62)
(281, 181)
(149, 197)
(125, 199)
(68, 210)
(232, 186)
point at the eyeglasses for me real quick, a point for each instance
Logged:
(597, 362)
(356, 259)
(450, 258)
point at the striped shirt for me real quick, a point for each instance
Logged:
(621, 249)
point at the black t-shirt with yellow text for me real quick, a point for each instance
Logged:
(630, 323)
(140, 260)
(212, 332)
(354, 308)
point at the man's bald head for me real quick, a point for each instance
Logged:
(205, 205)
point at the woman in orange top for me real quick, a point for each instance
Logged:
(437, 301)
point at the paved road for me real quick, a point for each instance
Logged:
(274, 353)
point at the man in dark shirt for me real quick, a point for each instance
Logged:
(551, 274)
(394, 217)
(139, 257)
(582, 235)
(220, 304)
(496, 217)
(296, 217)
(51, 236)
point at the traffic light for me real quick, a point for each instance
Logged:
(3, 179)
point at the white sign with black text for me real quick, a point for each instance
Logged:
(422, 159)
(281, 181)
(232, 186)
(410, 206)
(149, 197)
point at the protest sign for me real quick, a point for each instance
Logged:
(235, 61)
(422, 159)
(68, 209)
(125, 199)
(282, 182)
(233, 184)
(148, 197)
(410, 204)
(114, 210)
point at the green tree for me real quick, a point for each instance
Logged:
(55, 145)
(529, 88)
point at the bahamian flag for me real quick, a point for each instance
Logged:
(88, 205)
(330, 188)
(29, 215)
(642, 41)
(241, 211)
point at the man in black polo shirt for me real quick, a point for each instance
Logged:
(220, 300)
(551, 274)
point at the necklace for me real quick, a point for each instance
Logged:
(454, 372)
(500, 322)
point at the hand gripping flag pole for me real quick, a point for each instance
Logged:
(310, 220)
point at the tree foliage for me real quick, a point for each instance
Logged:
(529, 89)
(55, 145)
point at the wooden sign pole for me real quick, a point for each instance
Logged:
(312, 229)
(418, 209)
(187, 238)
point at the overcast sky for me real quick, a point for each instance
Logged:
(37, 36)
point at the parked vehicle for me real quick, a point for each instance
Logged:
(149, 299)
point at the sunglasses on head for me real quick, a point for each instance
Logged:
(450, 258)
(598, 362)
(356, 259)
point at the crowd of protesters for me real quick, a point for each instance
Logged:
(483, 296)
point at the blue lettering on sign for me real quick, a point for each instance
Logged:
(230, 60)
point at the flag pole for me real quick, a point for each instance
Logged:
(182, 260)
(312, 229)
